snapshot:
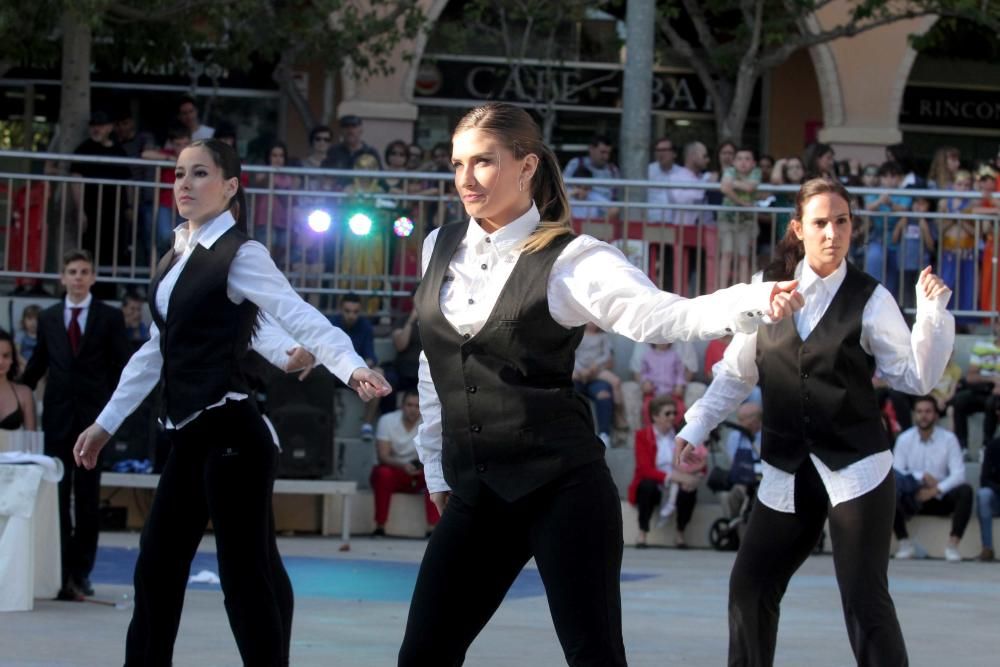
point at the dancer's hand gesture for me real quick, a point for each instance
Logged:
(369, 384)
(300, 359)
(931, 285)
(88, 446)
(785, 300)
(684, 452)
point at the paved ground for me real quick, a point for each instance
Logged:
(351, 608)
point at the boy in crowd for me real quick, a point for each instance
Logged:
(738, 230)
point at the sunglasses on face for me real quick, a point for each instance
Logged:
(397, 154)
(323, 139)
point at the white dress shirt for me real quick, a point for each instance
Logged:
(910, 362)
(654, 172)
(590, 281)
(82, 317)
(940, 455)
(253, 276)
(684, 196)
(665, 443)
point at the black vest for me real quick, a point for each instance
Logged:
(510, 416)
(818, 394)
(205, 335)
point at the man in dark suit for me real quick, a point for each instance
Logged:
(83, 347)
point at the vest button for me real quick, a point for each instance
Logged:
(481, 467)
(466, 336)
(476, 428)
(471, 390)
(806, 420)
(805, 376)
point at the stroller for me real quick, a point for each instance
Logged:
(724, 533)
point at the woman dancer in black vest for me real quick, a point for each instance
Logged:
(824, 450)
(222, 461)
(509, 449)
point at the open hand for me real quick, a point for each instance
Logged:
(88, 446)
(369, 384)
(785, 300)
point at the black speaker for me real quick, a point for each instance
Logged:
(306, 437)
(303, 417)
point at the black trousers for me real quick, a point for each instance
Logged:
(78, 529)
(969, 401)
(957, 504)
(572, 527)
(777, 543)
(220, 467)
(648, 497)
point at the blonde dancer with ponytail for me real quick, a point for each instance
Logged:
(508, 447)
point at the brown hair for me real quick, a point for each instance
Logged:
(790, 249)
(659, 402)
(77, 255)
(938, 172)
(227, 159)
(519, 133)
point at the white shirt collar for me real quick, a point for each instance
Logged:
(206, 235)
(85, 304)
(809, 278)
(507, 237)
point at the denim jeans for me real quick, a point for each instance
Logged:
(987, 507)
(604, 407)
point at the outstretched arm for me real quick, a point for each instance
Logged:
(593, 282)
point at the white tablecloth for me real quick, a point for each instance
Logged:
(29, 535)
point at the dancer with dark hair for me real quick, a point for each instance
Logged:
(206, 297)
(509, 449)
(824, 452)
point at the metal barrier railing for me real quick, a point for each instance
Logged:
(675, 238)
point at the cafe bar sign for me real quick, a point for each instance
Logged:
(576, 86)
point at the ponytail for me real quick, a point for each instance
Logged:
(549, 193)
(515, 129)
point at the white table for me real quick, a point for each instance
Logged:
(30, 564)
(319, 487)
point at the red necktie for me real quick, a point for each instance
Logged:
(74, 330)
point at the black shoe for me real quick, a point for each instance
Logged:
(378, 532)
(641, 545)
(84, 586)
(69, 593)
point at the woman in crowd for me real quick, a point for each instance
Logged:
(17, 403)
(655, 472)
(824, 451)
(206, 297)
(820, 161)
(509, 449)
(944, 168)
(272, 212)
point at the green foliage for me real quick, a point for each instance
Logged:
(232, 31)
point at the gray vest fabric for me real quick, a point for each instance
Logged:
(818, 394)
(511, 418)
(205, 335)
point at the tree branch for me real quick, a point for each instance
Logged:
(700, 64)
(121, 13)
(697, 16)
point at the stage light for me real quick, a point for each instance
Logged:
(360, 224)
(402, 226)
(319, 221)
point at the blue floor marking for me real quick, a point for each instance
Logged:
(340, 579)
